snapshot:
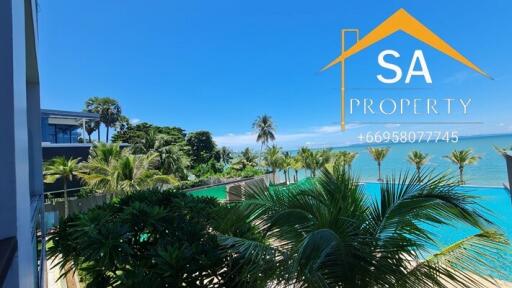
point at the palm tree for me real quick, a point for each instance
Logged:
(265, 130)
(110, 113)
(378, 154)
(418, 159)
(122, 123)
(171, 159)
(90, 127)
(302, 156)
(315, 160)
(246, 159)
(296, 166)
(225, 155)
(462, 158)
(61, 168)
(93, 105)
(146, 143)
(286, 164)
(332, 234)
(104, 152)
(124, 172)
(273, 159)
(345, 158)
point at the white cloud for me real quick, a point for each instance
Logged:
(393, 125)
(135, 121)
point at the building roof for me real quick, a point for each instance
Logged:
(69, 114)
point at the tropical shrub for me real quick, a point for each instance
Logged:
(147, 239)
(110, 169)
(245, 159)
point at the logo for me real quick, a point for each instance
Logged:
(399, 21)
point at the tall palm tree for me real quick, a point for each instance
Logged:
(273, 159)
(332, 234)
(302, 156)
(462, 158)
(378, 154)
(345, 158)
(286, 164)
(90, 127)
(93, 105)
(110, 113)
(316, 160)
(296, 166)
(418, 159)
(61, 168)
(265, 130)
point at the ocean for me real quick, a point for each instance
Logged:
(489, 171)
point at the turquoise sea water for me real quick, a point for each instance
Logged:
(490, 170)
(495, 199)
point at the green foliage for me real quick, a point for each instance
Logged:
(202, 147)
(244, 160)
(462, 158)
(168, 142)
(225, 155)
(109, 111)
(64, 169)
(273, 159)
(265, 128)
(344, 158)
(172, 154)
(378, 154)
(418, 159)
(314, 160)
(329, 233)
(209, 169)
(110, 169)
(147, 239)
(134, 134)
(247, 172)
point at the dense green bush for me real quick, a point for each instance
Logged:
(247, 172)
(150, 238)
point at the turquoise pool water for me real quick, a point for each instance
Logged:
(218, 192)
(496, 199)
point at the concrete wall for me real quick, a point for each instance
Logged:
(20, 158)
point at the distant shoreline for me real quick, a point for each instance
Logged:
(399, 143)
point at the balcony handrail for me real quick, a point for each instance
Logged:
(8, 248)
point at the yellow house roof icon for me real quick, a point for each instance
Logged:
(403, 21)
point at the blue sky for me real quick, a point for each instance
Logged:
(217, 65)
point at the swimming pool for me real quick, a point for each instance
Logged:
(496, 199)
(218, 192)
